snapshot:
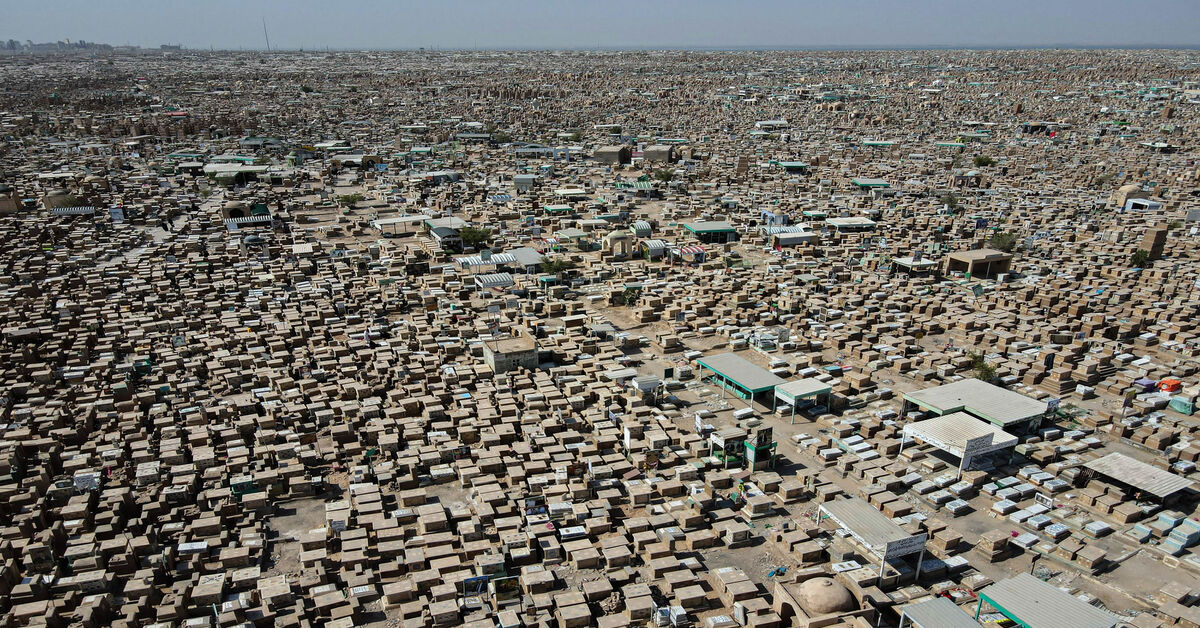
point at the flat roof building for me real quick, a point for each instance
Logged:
(989, 402)
(986, 263)
(506, 354)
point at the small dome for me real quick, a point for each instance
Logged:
(1132, 187)
(235, 205)
(616, 234)
(823, 596)
(57, 192)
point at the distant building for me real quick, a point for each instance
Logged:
(613, 155)
(985, 263)
(660, 153)
(447, 237)
(713, 231)
(8, 199)
(511, 353)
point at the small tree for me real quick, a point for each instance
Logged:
(1140, 258)
(982, 370)
(949, 200)
(983, 161)
(666, 175)
(350, 199)
(1003, 241)
(629, 296)
(557, 266)
(306, 89)
(475, 236)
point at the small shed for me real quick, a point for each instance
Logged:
(1119, 469)
(797, 392)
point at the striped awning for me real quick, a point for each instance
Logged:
(654, 246)
(641, 225)
(694, 249)
(785, 229)
(73, 211)
(501, 198)
(550, 240)
(634, 185)
(494, 280)
(246, 221)
(477, 260)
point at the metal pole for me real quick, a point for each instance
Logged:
(920, 559)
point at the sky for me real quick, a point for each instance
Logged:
(595, 24)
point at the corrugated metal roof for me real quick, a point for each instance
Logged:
(1140, 475)
(477, 260)
(938, 612)
(950, 432)
(246, 220)
(981, 399)
(745, 373)
(865, 523)
(772, 230)
(1037, 604)
(494, 280)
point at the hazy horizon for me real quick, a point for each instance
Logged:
(615, 25)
